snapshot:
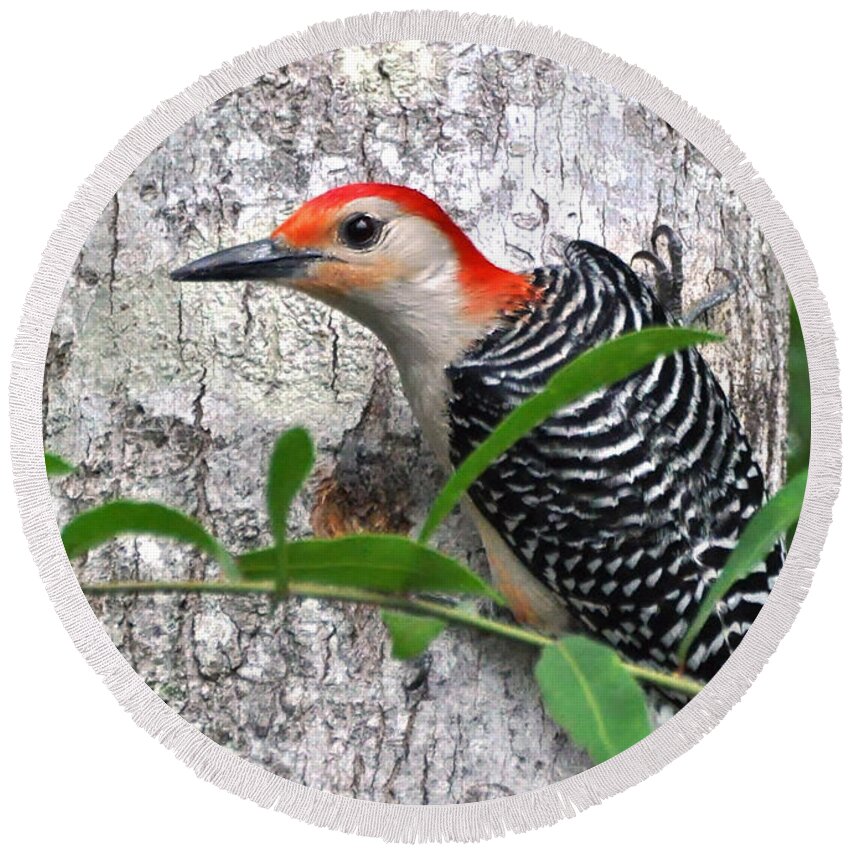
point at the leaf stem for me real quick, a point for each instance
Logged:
(672, 681)
(413, 605)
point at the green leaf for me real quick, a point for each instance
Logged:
(799, 397)
(587, 691)
(411, 634)
(758, 538)
(384, 562)
(56, 466)
(606, 364)
(291, 462)
(92, 528)
(799, 404)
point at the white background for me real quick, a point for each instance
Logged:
(77, 76)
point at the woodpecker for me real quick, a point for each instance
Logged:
(615, 515)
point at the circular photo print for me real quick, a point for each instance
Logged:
(426, 422)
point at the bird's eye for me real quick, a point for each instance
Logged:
(360, 231)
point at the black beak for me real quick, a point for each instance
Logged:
(261, 260)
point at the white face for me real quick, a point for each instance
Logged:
(389, 269)
(410, 245)
(367, 244)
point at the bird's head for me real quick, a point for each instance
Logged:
(386, 255)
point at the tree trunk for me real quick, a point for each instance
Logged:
(176, 392)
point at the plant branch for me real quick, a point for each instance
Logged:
(413, 605)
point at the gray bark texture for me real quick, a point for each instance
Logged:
(158, 390)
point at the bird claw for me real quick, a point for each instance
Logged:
(675, 250)
(714, 298)
(669, 277)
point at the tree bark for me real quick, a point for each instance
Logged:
(176, 392)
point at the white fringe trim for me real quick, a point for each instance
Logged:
(469, 821)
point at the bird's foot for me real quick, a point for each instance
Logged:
(669, 278)
(714, 298)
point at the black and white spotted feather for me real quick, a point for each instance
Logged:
(628, 502)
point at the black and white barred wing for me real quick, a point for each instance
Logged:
(627, 502)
